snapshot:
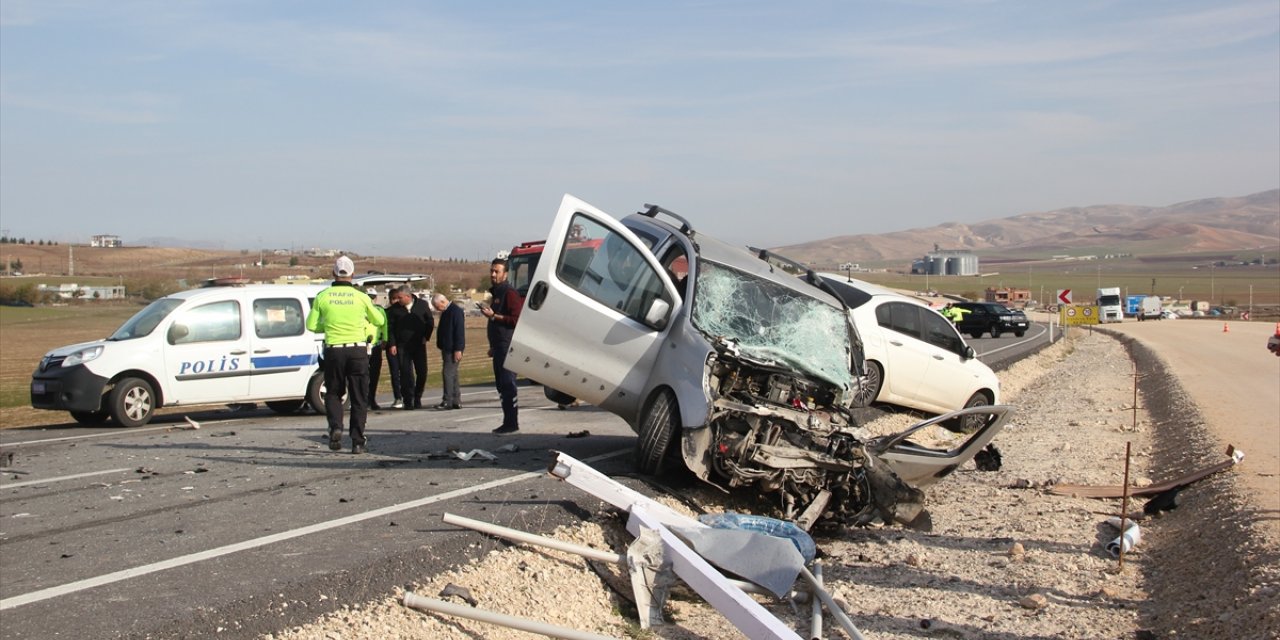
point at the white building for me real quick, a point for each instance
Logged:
(72, 291)
(105, 241)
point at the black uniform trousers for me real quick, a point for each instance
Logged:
(346, 373)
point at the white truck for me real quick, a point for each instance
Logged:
(1110, 305)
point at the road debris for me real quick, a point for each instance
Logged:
(452, 589)
(524, 624)
(1126, 541)
(1234, 457)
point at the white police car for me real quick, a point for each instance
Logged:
(214, 345)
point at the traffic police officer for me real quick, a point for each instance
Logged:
(343, 313)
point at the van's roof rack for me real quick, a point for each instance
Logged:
(652, 210)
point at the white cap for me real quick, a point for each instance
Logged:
(343, 267)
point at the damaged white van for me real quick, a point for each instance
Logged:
(214, 345)
(721, 362)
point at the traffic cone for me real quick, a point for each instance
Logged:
(1225, 329)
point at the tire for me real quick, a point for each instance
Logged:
(995, 332)
(869, 388)
(91, 418)
(286, 407)
(969, 424)
(657, 429)
(975, 334)
(558, 397)
(1019, 333)
(132, 402)
(315, 392)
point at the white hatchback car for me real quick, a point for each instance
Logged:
(914, 356)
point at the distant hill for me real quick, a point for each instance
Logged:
(1213, 224)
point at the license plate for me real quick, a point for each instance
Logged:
(37, 387)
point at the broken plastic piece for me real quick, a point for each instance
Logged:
(746, 614)
(1126, 541)
(452, 589)
(473, 453)
(651, 576)
(768, 526)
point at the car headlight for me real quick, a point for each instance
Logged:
(82, 356)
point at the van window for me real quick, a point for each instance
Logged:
(609, 269)
(211, 322)
(277, 317)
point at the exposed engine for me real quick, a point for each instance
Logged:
(792, 438)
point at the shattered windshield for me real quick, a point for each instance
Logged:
(772, 322)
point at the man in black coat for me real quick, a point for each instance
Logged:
(451, 339)
(411, 326)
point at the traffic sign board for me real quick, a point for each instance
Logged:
(1064, 296)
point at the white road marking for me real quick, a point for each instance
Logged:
(60, 478)
(180, 427)
(1021, 341)
(89, 583)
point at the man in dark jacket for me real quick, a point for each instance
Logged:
(503, 312)
(451, 339)
(411, 326)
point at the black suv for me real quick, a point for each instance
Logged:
(989, 316)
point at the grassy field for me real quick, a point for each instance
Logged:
(26, 334)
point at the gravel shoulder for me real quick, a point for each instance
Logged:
(1005, 559)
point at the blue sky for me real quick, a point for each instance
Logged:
(453, 128)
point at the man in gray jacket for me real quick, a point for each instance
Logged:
(451, 339)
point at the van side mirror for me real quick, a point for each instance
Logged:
(969, 353)
(177, 332)
(656, 317)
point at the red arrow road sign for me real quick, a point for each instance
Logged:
(1064, 296)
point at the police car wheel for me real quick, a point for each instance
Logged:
(286, 407)
(90, 417)
(132, 402)
(315, 392)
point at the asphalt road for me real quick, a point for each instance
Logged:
(1000, 352)
(250, 524)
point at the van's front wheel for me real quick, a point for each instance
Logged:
(660, 424)
(132, 402)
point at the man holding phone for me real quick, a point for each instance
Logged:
(503, 312)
